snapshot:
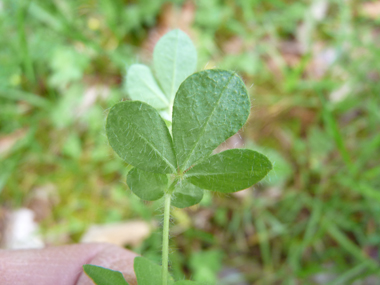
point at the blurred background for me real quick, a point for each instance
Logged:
(312, 69)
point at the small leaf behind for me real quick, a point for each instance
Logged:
(174, 58)
(147, 185)
(230, 171)
(186, 194)
(210, 106)
(148, 272)
(104, 276)
(140, 137)
(142, 86)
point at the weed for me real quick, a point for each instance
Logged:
(209, 107)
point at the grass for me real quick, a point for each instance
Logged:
(315, 108)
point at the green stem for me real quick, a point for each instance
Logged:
(165, 240)
(172, 185)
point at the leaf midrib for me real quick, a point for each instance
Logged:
(174, 67)
(205, 125)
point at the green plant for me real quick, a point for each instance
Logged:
(208, 107)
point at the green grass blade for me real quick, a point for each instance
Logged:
(15, 95)
(334, 131)
(347, 244)
(346, 277)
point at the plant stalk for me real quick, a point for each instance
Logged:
(165, 239)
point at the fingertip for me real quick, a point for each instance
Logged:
(115, 258)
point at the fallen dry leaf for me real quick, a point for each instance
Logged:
(371, 10)
(91, 94)
(236, 141)
(341, 93)
(243, 194)
(121, 234)
(201, 219)
(41, 201)
(322, 60)
(8, 141)
(234, 45)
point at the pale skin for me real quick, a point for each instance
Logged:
(62, 265)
